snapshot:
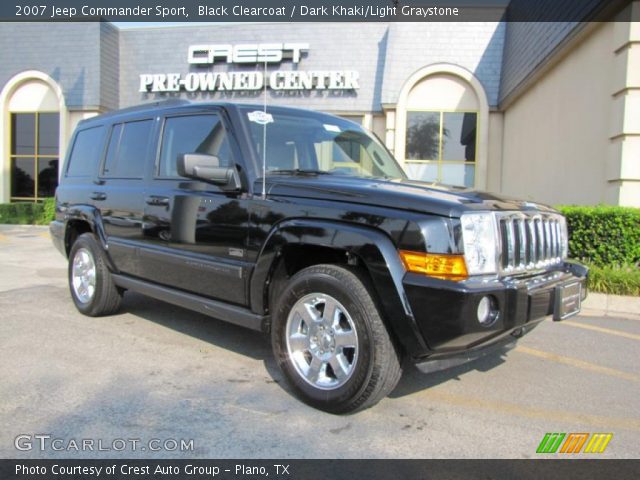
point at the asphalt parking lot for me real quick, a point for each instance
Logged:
(155, 371)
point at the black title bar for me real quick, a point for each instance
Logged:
(310, 10)
(317, 469)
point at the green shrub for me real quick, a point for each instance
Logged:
(617, 280)
(603, 236)
(28, 213)
(48, 213)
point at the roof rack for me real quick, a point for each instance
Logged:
(147, 106)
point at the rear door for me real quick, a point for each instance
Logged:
(119, 192)
(195, 233)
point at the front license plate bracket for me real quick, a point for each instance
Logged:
(568, 298)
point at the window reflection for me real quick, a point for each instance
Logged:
(193, 134)
(423, 135)
(48, 134)
(426, 172)
(34, 154)
(459, 137)
(23, 133)
(441, 147)
(47, 177)
(22, 177)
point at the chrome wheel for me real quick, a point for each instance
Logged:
(322, 341)
(83, 275)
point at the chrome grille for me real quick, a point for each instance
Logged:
(530, 241)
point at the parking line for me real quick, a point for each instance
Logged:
(44, 234)
(549, 416)
(3, 238)
(609, 331)
(574, 362)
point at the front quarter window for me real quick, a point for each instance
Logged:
(192, 134)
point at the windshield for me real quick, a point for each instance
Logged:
(311, 143)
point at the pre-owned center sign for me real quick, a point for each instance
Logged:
(258, 54)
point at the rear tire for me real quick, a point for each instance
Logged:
(330, 341)
(90, 282)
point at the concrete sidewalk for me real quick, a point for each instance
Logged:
(612, 305)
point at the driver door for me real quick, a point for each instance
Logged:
(195, 233)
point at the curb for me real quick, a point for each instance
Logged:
(13, 226)
(612, 304)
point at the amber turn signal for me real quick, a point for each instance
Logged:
(447, 267)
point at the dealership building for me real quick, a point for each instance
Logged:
(547, 111)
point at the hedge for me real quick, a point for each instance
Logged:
(604, 236)
(28, 213)
(618, 280)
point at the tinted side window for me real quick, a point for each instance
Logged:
(128, 149)
(112, 150)
(192, 134)
(86, 152)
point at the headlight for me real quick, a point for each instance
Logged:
(479, 235)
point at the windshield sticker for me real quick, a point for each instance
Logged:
(260, 117)
(332, 128)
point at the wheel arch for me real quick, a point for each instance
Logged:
(320, 241)
(81, 219)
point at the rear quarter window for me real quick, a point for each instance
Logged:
(86, 152)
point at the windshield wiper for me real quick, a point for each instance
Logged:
(298, 171)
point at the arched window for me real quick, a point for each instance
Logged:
(441, 133)
(440, 136)
(34, 133)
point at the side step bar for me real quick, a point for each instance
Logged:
(213, 308)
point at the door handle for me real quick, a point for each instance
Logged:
(157, 200)
(98, 196)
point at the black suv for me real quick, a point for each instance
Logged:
(350, 266)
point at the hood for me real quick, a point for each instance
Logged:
(403, 194)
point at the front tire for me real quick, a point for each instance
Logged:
(330, 341)
(92, 288)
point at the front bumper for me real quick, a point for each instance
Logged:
(446, 312)
(498, 345)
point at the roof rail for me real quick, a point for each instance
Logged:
(168, 103)
(147, 106)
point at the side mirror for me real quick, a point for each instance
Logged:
(207, 168)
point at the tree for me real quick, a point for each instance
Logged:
(423, 138)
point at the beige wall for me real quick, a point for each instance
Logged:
(574, 136)
(494, 158)
(556, 135)
(378, 126)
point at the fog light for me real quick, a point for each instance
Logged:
(487, 311)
